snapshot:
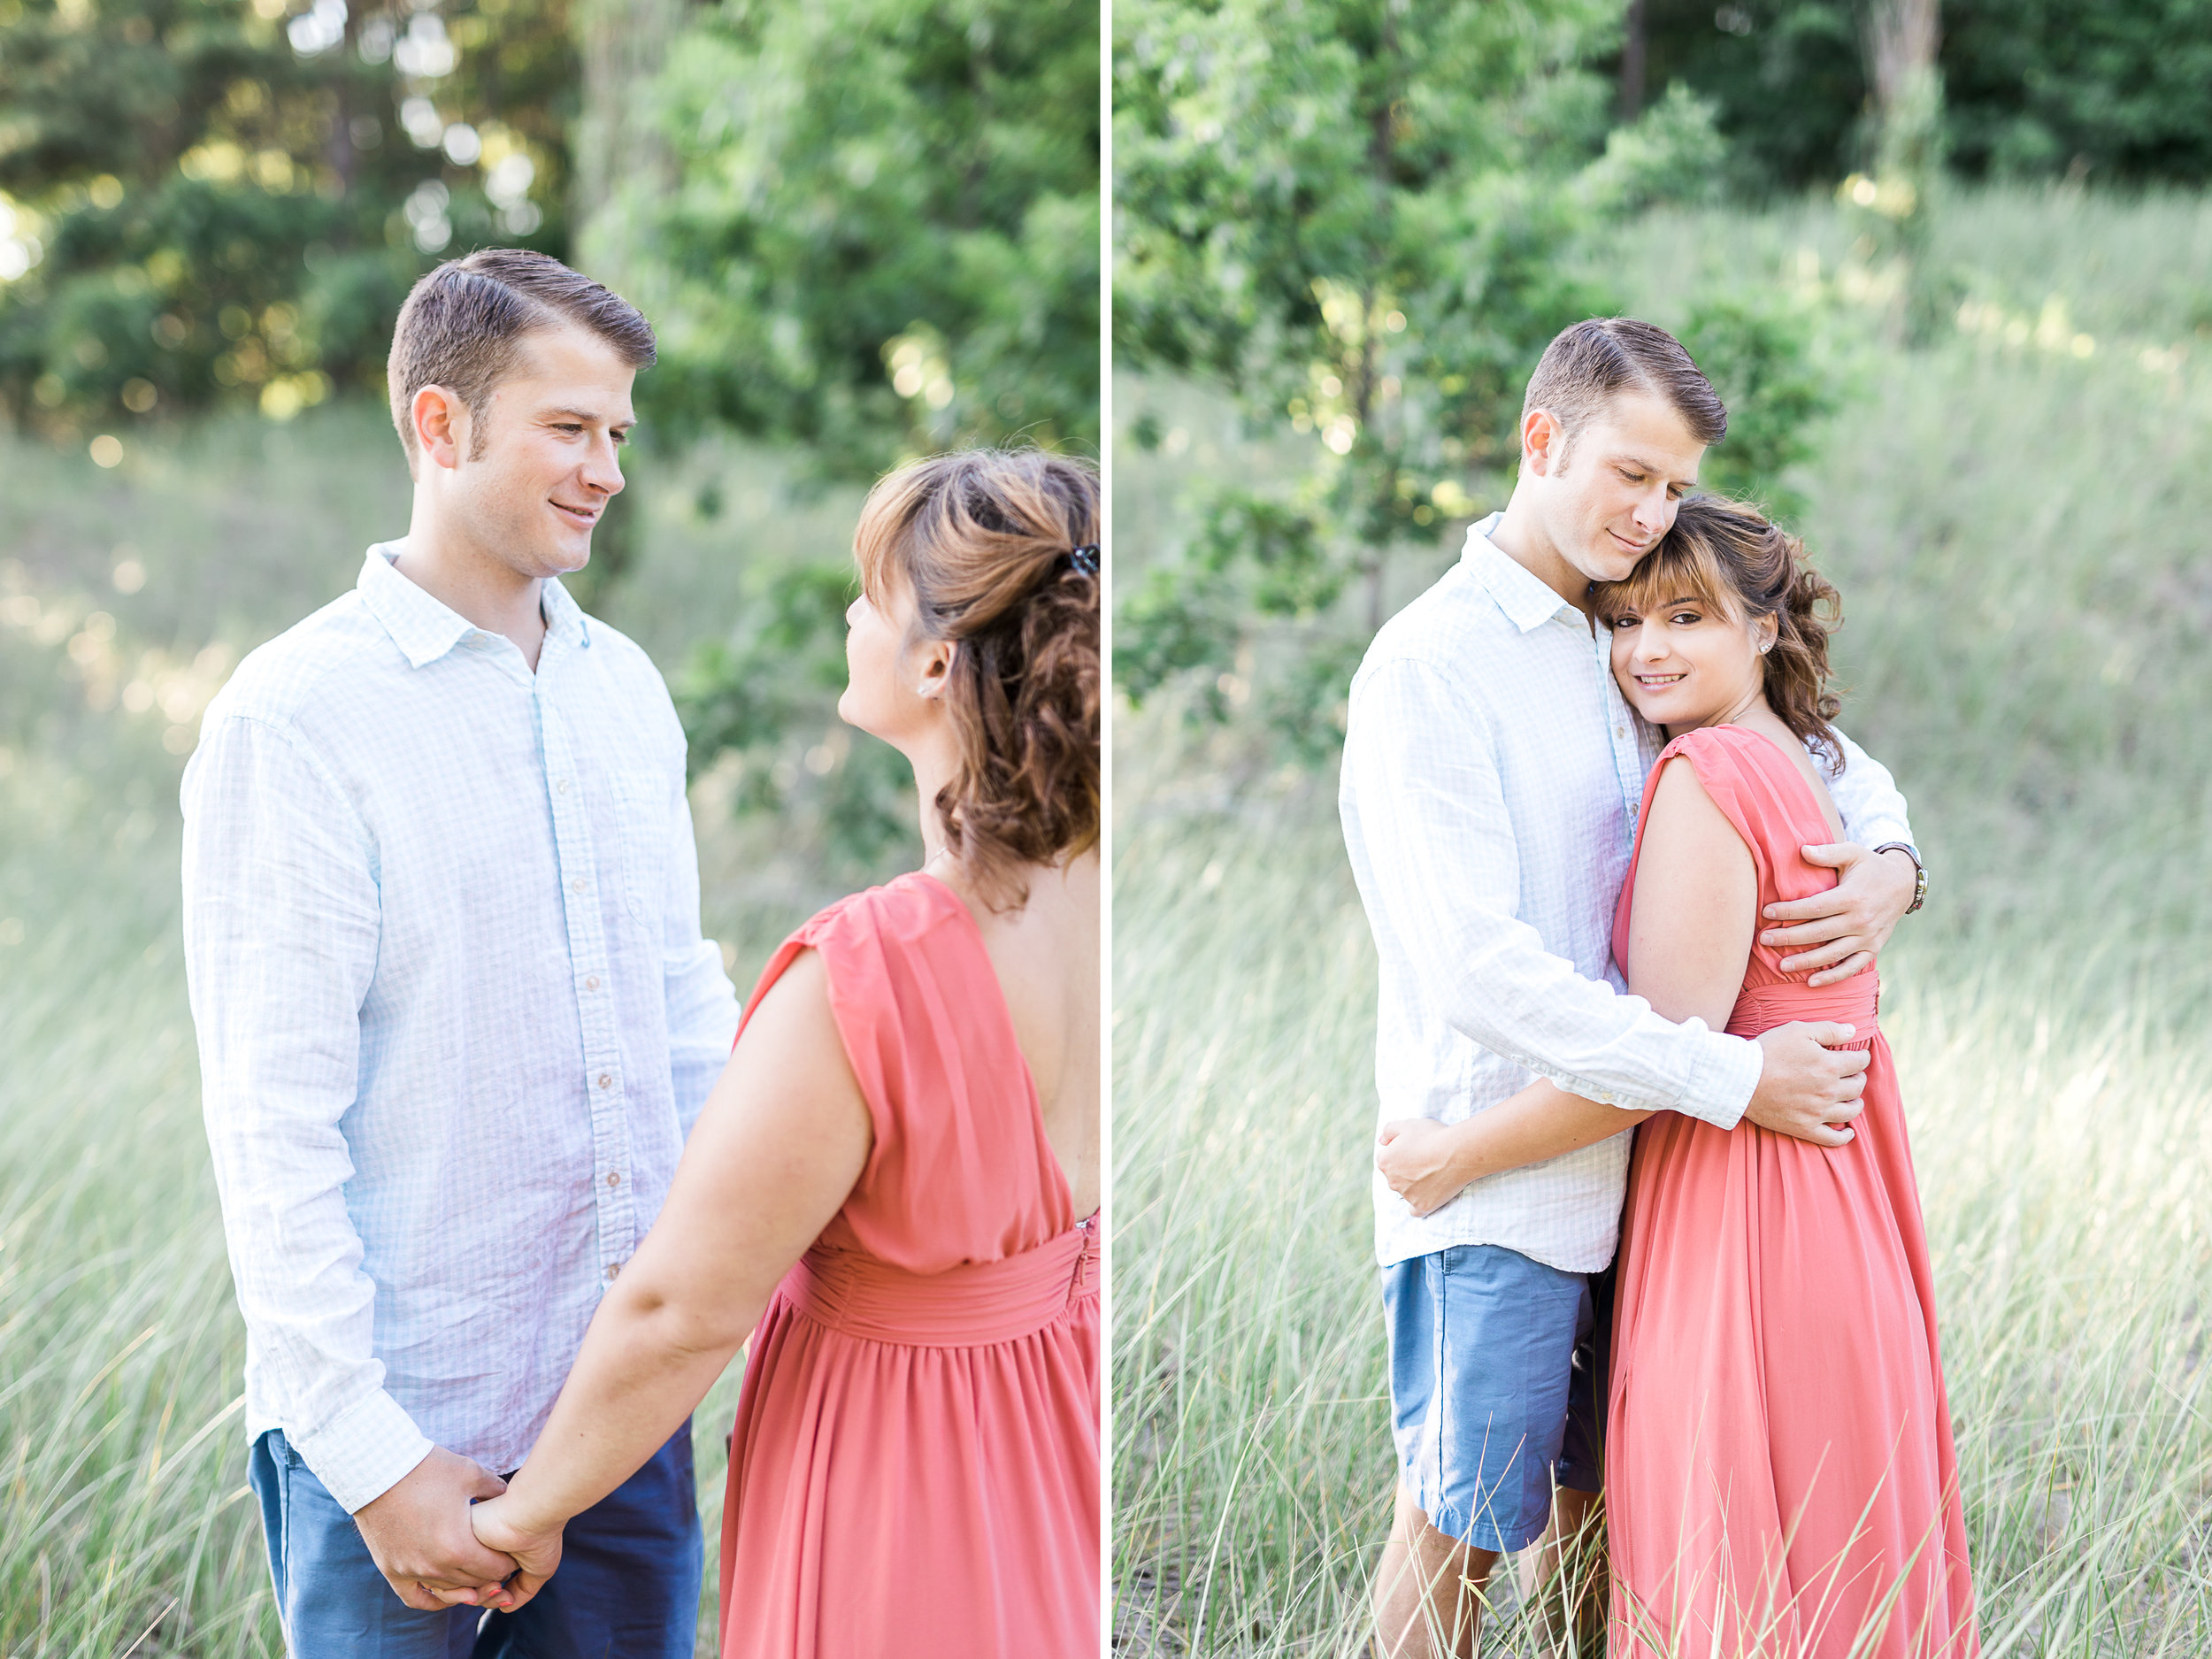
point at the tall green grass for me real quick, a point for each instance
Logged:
(2018, 532)
(125, 1522)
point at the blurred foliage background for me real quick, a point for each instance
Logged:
(865, 229)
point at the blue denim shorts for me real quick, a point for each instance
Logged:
(1491, 1352)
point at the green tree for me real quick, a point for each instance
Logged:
(1358, 217)
(2030, 88)
(881, 242)
(208, 200)
(883, 239)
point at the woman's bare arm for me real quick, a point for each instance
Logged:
(1689, 938)
(777, 1149)
(1697, 904)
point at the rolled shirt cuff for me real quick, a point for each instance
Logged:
(1721, 1087)
(363, 1452)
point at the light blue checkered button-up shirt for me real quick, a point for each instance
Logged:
(454, 1014)
(1492, 775)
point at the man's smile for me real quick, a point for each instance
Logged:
(584, 517)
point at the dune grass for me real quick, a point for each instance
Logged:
(2017, 535)
(126, 597)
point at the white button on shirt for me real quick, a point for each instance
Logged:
(1493, 773)
(435, 1135)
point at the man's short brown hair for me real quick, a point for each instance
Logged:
(1589, 364)
(462, 324)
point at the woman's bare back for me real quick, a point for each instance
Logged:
(1045, 955)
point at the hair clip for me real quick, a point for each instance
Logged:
(1084, 559)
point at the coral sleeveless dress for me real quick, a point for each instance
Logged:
(1778, 1464)
(915, 1469)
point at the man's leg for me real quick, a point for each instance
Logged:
(1481, 1341)
(1566, 1576)
(1426, 1600)
(329, 1594)
(629, 1583)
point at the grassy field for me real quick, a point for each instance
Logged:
(126, 598)
(2016, 524)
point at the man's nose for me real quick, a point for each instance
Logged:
(1651, 511)
(603, 469)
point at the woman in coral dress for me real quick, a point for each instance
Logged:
(892, 1188)
(1779, 1473)
(1779, 1476)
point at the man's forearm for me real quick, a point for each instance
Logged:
(1543, 1121)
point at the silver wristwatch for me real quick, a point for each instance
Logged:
(1919, 871)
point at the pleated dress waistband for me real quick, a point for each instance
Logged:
(968, 1306)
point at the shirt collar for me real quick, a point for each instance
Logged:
(565, 619)
(1527, 601)
(425, 628)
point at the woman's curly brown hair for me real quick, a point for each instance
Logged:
(1731, 556)
(987, 541)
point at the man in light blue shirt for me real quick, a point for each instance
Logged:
(454, 1014)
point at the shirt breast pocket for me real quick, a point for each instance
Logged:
(641, 801)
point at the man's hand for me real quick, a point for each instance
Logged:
(1847, 926)
(536, 1549)
(1807, 1089)
(418, 1535)
(1415, 1157)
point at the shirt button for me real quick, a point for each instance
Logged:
(562, 787)
(614, 1177)
(577, 884)
(612, 1268)
(1620, 731)
(592, 984)
(605, 1080)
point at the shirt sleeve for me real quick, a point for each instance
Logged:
(1433, 850)
(1867, 798)
(701, 1001)
(281, 929)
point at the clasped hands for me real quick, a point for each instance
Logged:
(444, 1536)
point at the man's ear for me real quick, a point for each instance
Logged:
(1543, 442)
(441, 426)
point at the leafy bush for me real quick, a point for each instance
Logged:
(883, 242)
(884, 237)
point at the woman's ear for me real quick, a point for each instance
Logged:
(1765, 632)
(936, 662)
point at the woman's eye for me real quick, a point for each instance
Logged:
(1685, 619)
